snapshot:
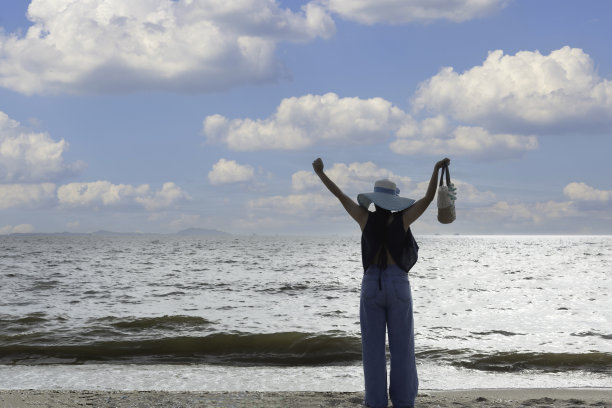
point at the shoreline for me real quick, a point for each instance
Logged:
(503, 397)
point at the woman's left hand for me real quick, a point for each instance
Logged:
(317, 165)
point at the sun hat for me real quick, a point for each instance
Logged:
(385, 195)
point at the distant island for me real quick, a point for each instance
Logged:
(192, 232)
(202, 231)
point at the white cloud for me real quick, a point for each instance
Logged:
(309, 203)
(97, 193)
(523, 213)
(360, 177)
(277, 213)
(525, 92)
(357, 177)
(469, 194)
(431, 138)
(104, 193)
(466, 193)
(228, 171)
(294, 204)
(17, 229)
(303, 121)
(73, 224)
(325, 120)
(164, 198)
(118, 46)
(477, 210)
(554, 210)
(584, 192)
(506, 101)
(25, 195)
(31, 157)
(405, 11)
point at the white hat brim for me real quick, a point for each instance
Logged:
(387, 201)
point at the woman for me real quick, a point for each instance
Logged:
(388, 251)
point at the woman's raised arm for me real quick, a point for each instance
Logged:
(417, 209)
(357, 212)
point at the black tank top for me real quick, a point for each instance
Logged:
(401, 245)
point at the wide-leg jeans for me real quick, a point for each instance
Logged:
(386, 305)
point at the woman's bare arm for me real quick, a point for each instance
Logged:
(417, 209)
(357, 212)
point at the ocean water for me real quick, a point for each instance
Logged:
(282, 313)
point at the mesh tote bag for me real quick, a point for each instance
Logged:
(447, 194)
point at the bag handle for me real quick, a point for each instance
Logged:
(445, 169)
(448, 183)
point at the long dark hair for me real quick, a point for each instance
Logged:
(382, 222)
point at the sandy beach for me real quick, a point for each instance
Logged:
(566, 397)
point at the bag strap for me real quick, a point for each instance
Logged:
(448, 183)
(447, 171)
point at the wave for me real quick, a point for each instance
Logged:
(160, 322)
(592, 334)
(500, 332)
(19, 324)
(32, 318)
(599, 362)
(514, 361)
(288, 348)
(268, 349)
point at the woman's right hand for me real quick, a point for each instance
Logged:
(317, 165)
(442, 163)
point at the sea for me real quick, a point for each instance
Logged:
(281, 313)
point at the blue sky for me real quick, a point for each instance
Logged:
(156, 115)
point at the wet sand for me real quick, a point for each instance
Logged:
(565, 397)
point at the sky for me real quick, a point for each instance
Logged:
(158, 115)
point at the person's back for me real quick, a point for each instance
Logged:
(385, 234)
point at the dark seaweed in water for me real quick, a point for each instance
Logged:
(598, 362)
(163, 322)
(290, 348)
(265, 349)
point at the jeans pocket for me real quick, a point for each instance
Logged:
(401, 287)
(369, 289)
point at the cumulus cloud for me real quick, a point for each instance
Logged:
(525, 92)
(467, 194)
(294, 204)
(356, 176)
(229, 171)
(29, 156)
(584, 192)
(324, 120)
(532, 213)
(461, 141)
(104, 193)
(164, 198)
(25, 195)
(97, 193)
(17, 229)
(276, 213)
(308, 199)
(303, 121)
(118, 46)
(405, 11)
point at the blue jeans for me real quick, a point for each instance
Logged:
(386, 303)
